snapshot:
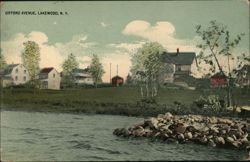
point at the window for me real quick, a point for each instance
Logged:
(54, 75)
(24, 71)
(16, 78)
(178, 68)
(16, 70)
(24, 78)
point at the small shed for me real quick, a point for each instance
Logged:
(117, 81)
(218, 80)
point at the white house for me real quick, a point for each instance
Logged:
(14, 74)
(49, 78)
(82, 76)
(181, 63)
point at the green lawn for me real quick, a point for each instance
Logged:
(114, 95)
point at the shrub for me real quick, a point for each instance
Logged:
(210, 103)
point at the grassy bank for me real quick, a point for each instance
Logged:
(111, 100)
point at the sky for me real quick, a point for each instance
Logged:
(114, 30)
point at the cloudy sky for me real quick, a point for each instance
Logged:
(114, 29)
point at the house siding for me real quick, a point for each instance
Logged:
(19, 75)
(51, 81)
(54, 80)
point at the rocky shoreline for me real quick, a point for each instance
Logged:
(211, 131)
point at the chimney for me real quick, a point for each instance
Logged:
(177, 51)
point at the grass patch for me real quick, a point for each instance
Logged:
(109, 100)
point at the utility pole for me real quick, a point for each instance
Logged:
(117, 70)
(110, 72)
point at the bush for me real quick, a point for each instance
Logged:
(210, 103)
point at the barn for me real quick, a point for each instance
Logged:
(218, 80)
(117, 81)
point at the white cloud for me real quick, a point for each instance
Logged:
(162, 32)
(78, 46)
(13, 48)
(129, 47)
(51, 55)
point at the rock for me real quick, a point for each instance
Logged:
(190, 128)
(230, 139)
(198, 126)
(141, 124)
(194, 128)
(160, 125)
(220, 140)
(165, 127)
(214, 129)
(213, 120)
(138, 132)
(168, 116)
(172, 140)
(223, 131)
(226, 128)
(210, 137)
(117, 132)
(225, 121)
(152, 122)
(203, 140)
(197, 118)
(180, 137)
(148, 132)
(234, 137)
(157, 134)
(236, 144)
(211, 143)
(168, 131)
(166, 135)
(245, 135)
(126, 133)
(180, 128)
(188, 135)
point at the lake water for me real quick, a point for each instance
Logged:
(33, 136)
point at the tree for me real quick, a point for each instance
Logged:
(147, 68)
(216, 42)
(129, 80)
(96, 70)
(31, 59)
(68, 66)
(2, 60)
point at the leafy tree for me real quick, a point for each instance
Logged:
(216, 42)
(68, 65)
(147, 68)
(31, 59)
(96, 70)
(2, 60)
(129, 79)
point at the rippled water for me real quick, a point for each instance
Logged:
(33, 136)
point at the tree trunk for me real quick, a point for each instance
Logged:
(142, 95)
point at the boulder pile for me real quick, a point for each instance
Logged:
(212, 131)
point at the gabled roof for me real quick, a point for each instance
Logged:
(245, 68)
(46, 70)
(7, 69)
(117, 77)
(219, 75)
(180, 58)
(78, 70)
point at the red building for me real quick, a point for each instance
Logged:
(218, 80)
(117, 81)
